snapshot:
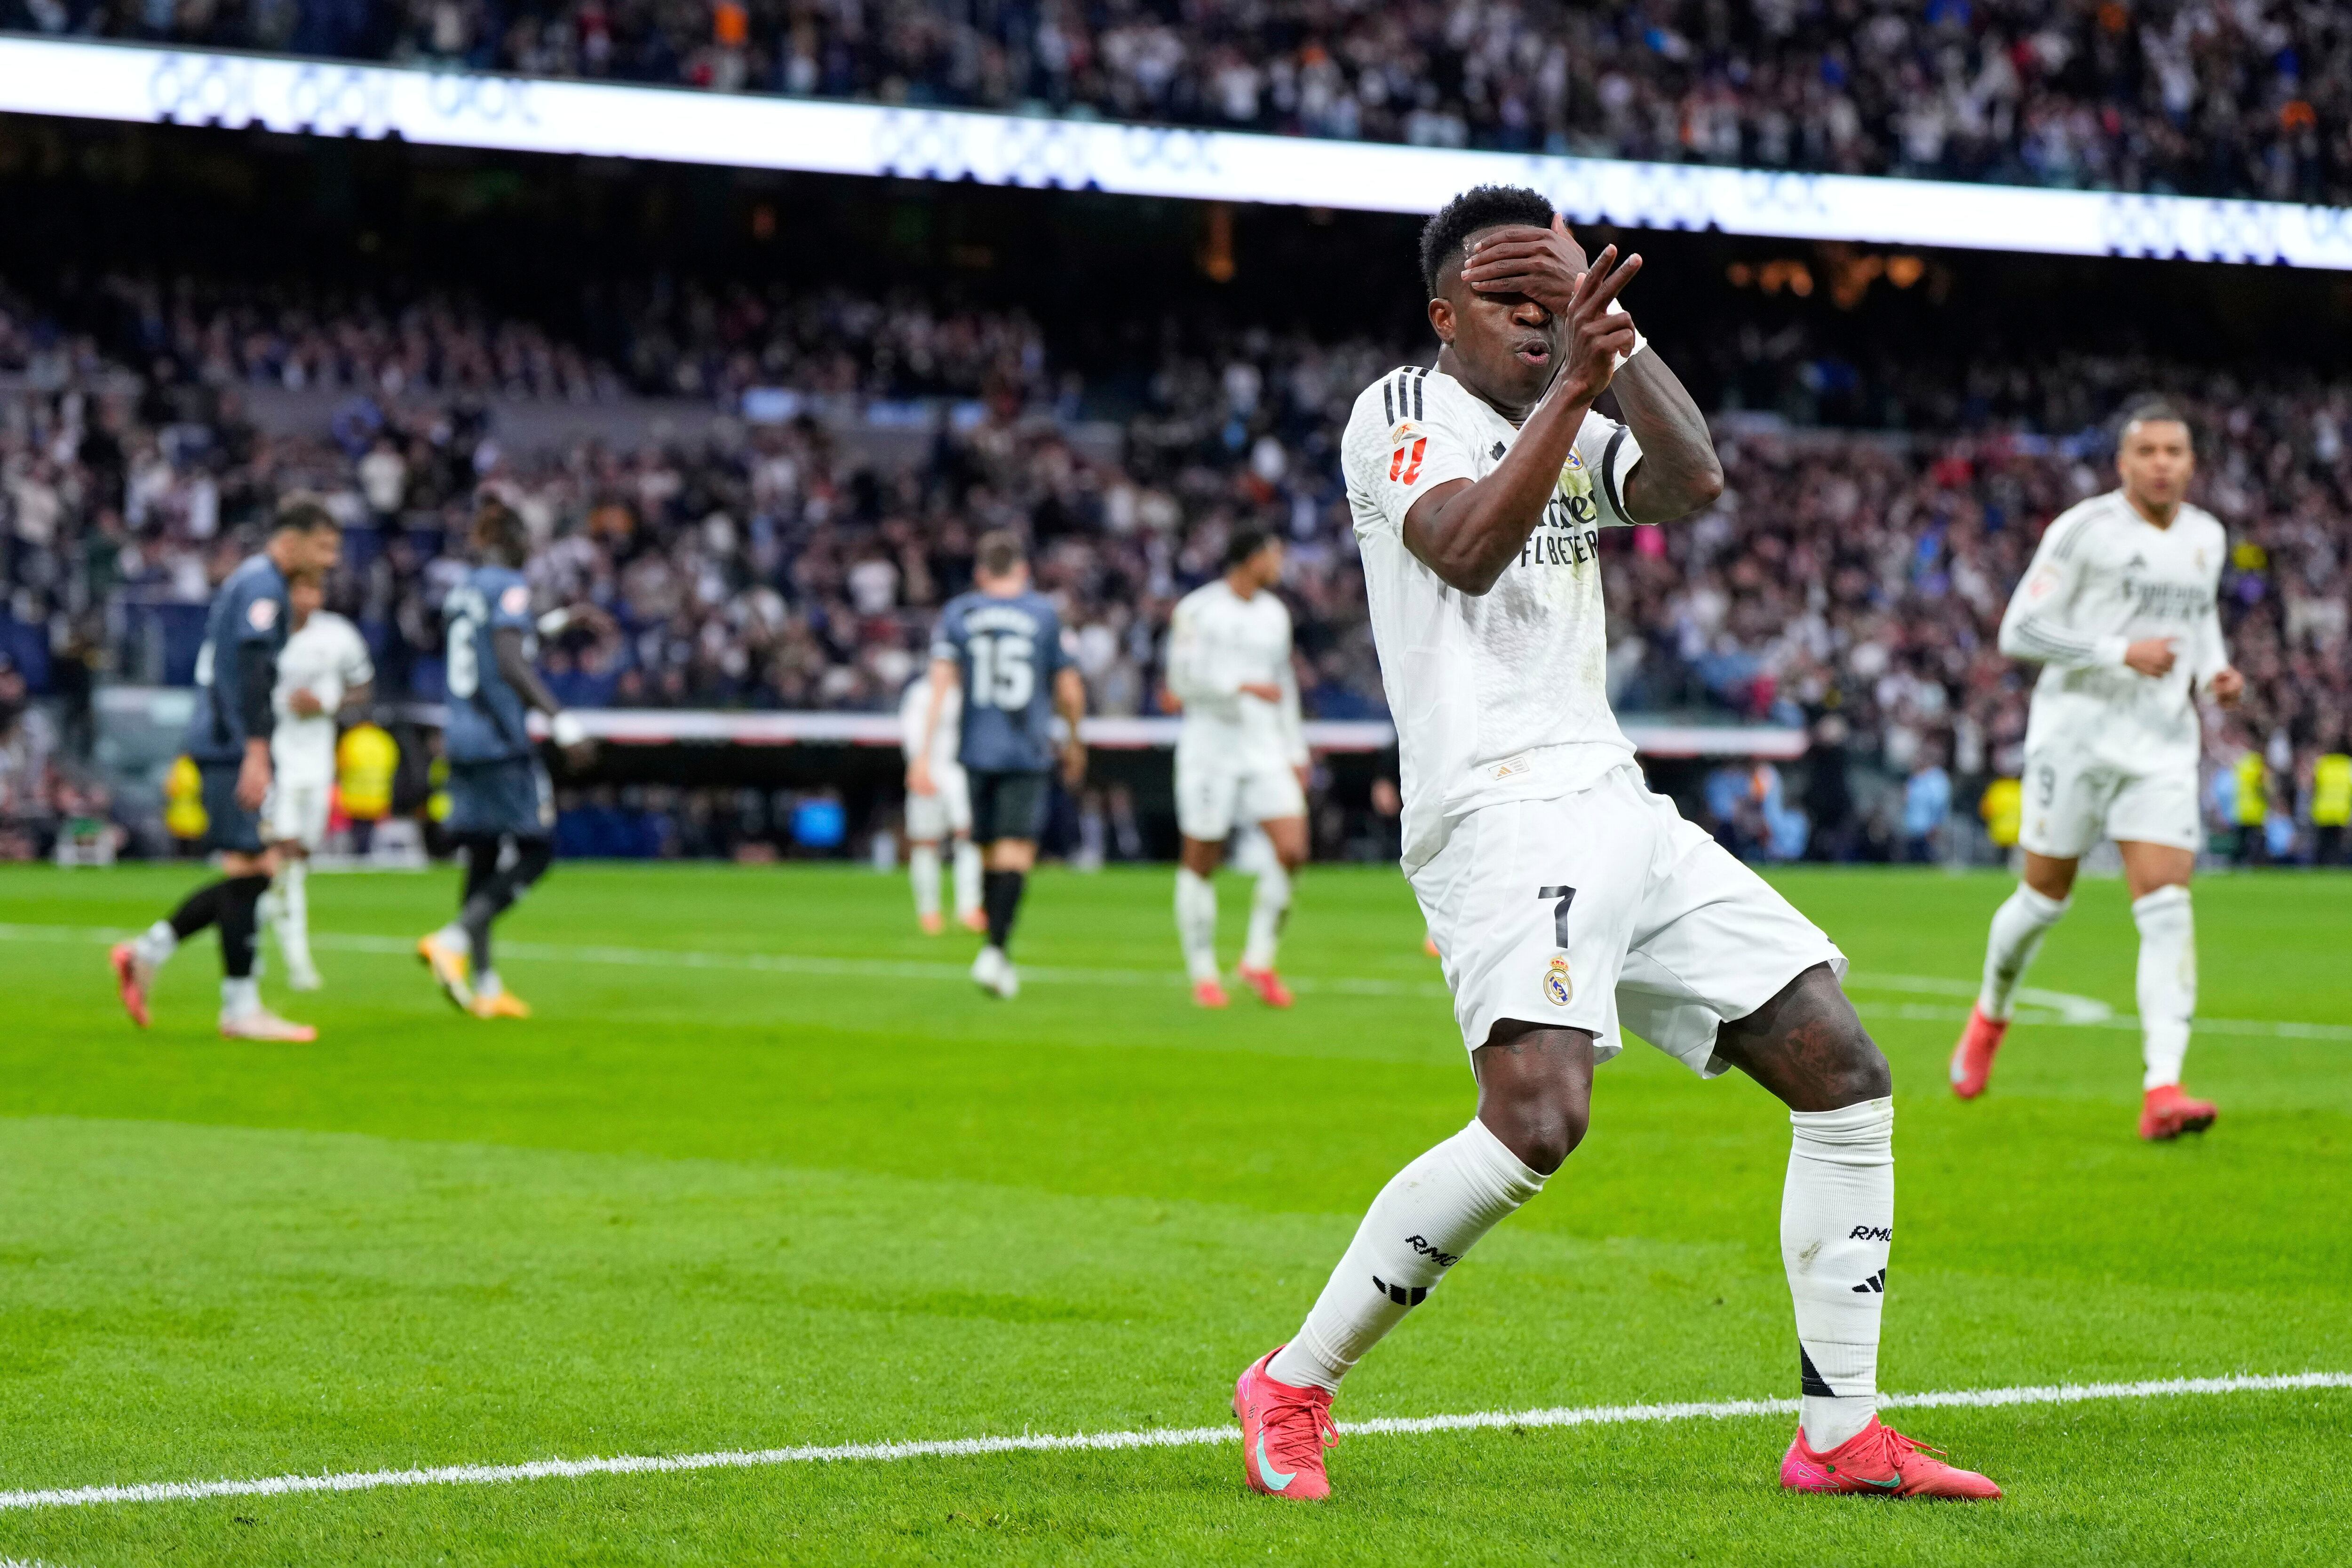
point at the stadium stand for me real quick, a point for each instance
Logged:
(2183, 96)
(1850, 580)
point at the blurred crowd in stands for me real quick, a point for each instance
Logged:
(1849, 582)
(2238, 98)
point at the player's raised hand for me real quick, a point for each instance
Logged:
(1595, 336)
(2152, 657)
(1541, 263)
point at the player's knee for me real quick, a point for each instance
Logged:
(1859, 1072)
(1548, 1131)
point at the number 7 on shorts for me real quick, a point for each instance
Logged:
(1566, 896)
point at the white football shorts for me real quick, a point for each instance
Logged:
(1606, 908)
(1217, 792)
(945, 813)
(296, 812)
(2072, 801)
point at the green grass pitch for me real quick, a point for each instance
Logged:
(832, 1194)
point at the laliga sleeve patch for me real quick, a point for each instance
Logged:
(261, 614)
(1556, 983)
(515, 601)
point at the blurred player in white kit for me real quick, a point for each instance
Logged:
(2118, 608)
(1241, 758)
(323, 670)
(938, 807)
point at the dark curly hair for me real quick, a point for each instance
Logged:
(1479, 208)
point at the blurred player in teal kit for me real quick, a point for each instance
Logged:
(1001, 647)
(502, 806)
(228, 738)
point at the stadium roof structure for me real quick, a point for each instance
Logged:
(148, 84)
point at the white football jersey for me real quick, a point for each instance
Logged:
(330, 658)
(944, 740)
(2103, 577)
(1219, 642)
(1496, 696)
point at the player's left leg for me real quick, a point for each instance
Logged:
(1724, 972)
(2157, 875)
(448, 953)
(955, 792)
(299, 827)
(1270, 908)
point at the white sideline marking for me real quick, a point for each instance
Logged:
(2063, 1008)
(1158, 1437)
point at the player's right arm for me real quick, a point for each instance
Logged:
(511, 624)
(1467, 531)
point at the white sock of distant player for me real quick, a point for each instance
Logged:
(1267, 906)
(291, 917)
(2168, 981)
(487, 983)
(239, 997)
(1429, 1215)
(1196, 922)
(2018, 928)
(1837, 1224)
(455, 934)
(156, 944)
(923, 871)
(967, 877)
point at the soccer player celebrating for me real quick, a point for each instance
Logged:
(2118, 609)
(1240, 758)
(1000, 648)
(1567, 899)
(501, 807)
(941, 810)
(323, 670)
(229, 739)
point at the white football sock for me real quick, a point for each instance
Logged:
(2167, 982)
(240, 997)
(291, 917)
(923, 868)
(1429, 1215)
(1270, 903)
(967, 876)
(487, 983)
(455, 934)
(1196, 923)
(2017, 927)
(1837, 1224)
(156, 944)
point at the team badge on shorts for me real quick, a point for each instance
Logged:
(1556, 983)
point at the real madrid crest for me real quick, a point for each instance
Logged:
(1556, 985)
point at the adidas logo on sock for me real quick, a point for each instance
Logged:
(1874, 1286)
(1402, 1295)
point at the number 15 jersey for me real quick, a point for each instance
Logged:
(1006, 653)
(1496, 696)
(486, 712)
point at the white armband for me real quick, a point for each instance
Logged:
(554, 621)
(1640, 343)
(565, 727)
